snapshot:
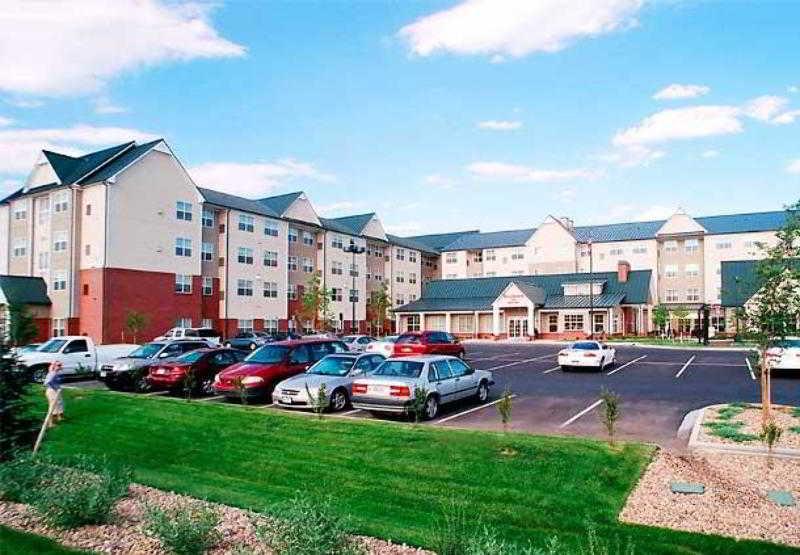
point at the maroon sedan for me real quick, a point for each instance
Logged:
(416, 343)
(200, 366)
(256, 376)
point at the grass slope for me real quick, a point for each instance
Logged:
(392, 479)
(21, 543)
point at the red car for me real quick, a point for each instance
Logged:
(203, 364)
(256, 376)
(415, 343)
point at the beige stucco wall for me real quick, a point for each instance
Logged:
(345, 281)
(742, 247)
(41, 174)
(551, 249)
(456, 269)
(680, 259)
(302, 210)
(20, 230)
(92, 226)
(503, 265)
(408, 291)
(4, 238)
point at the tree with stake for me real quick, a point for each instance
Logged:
(16, 406)
(135, 323)
(610, 413)
(319, 400)
(418, 403)
(504, 407)
(770, 434)
(680, 313)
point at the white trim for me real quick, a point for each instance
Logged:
(117, 155)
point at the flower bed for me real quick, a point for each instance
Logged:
(740, 424)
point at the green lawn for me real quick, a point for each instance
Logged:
(20, 543)
(391, 478)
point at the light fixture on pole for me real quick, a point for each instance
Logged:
(591, 293)
(354, 250)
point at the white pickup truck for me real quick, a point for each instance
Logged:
(77, 353)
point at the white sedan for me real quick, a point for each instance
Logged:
(383, 346)
(357, 343)
(587, 354)
(784, 354)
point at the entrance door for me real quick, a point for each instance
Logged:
(517, 327)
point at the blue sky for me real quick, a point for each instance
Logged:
(439, 115)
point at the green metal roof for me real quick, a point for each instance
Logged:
(409, 243)
(279, 204)
(491, 240)
(24, 290)
(119, 163)
(479, 293)
(438, 241)
(236, 203)
(740, 281)
(353, 224)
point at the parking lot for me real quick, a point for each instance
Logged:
(657, 387)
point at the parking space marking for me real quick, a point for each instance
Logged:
(214, 398)
(348, 413)
(584, 411)
(615, 370)
(267, 406)
(553, 369)
(154, 393)
(750, 368)
(520, 362)
(473, 409)
(685, 366)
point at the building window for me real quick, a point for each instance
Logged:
(412, 323)
(400, 300)
(87, 249)
(491, 274)
(60, 241)
(377, 277)
(61, 201)
(292, 263)
(518, 273)
(691, 246)
(21, 211)
(639, 250)
(20, 247)
(573, 322)
(247, 223)
(693, 295)
(207, 323)
(671, 296)
(336, 294)
(293, 234)
(270, 290)
(271, 228)
(400, 277)
(616, 252)
(183, 322)
(337, 242)
(518, 255)
(692, 270)
(400, 254)
(59, 327)
(183, 283)
(670, 271)
(244, 325)
(308, 266)
(208, 218)
(291, 293)
(244, 288)
(43, 209)
(85, 289)
(336, 268)
(489, 255)
(599, 323)
(354, 270)
(724, 245)
(308, 238)
(207, 252)
(208, 286)
(183, 211)
(354, 295)
(245, 255)
(412, 278)
(451, 258)
(451, 276)
(60, 281)
(44, 260)
(671, 246)
(183, 247)
(271, 259)
(412, 256)
(552, 323)
(271, 325)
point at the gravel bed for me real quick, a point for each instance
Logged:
(126, 535)
(734, 503)
(751, 417)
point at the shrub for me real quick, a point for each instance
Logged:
(185, 530)
(83, 493)
(610, 413)
(504, 408)
(417, 406)
(19, 477)
(17, 420)
(307, 526)
(455, 530)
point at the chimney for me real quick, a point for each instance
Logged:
(623, 269)
(568, 222)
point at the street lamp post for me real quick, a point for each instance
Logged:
(354, 249)
(591, 293)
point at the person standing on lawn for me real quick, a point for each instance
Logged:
(52, 389)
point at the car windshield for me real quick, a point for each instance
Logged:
(333, 366)
(349, 338)
(269, 354)
(586, 346)
(191, 356)
(390, 339)
(148, 350)
(401, 368)
(413, 339)
(30, 348)
(52, 346)
(787, 344)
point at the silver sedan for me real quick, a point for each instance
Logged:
(335, 372)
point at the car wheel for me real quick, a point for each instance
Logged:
(141, 385)
(338, 400)
(431, 408)
(483, 392)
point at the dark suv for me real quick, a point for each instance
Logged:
(416, 343)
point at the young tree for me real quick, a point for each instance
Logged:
(22, 328)
(378, 306)
(680, 313)
(770, 434)
(660, 317)
(135, 323)
(316, 304)
(504, 408)
(774, 311)
(610, 413)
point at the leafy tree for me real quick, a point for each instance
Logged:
(318, 399)
(774, 311)
(660, 317)
(504, 408)
(680, 313)
(417, 405)
(610, 413)
(16, 421)
(378, 306)
(22, 328)
(770, 434)
(136, 322)
(316, 304)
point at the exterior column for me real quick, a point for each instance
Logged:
(531, 319)
(397, 323)
(447, 322)
(421, 321)
(475, 324)
(495, 321)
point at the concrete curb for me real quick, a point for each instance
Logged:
(704, 446)
(688, 346)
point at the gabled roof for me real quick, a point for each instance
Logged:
(534, 293)
(740, 281)
(630, 231)
(354, 225)
(24, 290)
(236, 203)
(437, 241)
(119, 163)
(744, 223)
(280, 204)
(410, 244)
(480, 293)
(69, 170)
(491, 240)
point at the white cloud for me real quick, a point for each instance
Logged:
(633, 155)
(710, 153)
(526, 174)
(516, 27)
(5, 122)
(636, 213)
(21, 146)
(764, 108)
(794, 166)
(103, 106)
(566, 195)
(787, 117)
(500, 125)
(55, 48)
(338, 208)
(440, 181)
(677, 91)
(24, 102)
(681, 123)
(794, 89)
(254, 180)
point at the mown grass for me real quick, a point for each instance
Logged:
(21, 543)
(392, 479)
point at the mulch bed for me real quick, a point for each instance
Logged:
(750, 417)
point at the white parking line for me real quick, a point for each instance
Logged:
(519, 362)
(615, 370)
(584, 411)
(267, 406)
(452, 416)
(553, 369)
(214, 398)
(153, 393)
(348, 413)
(750, 368)
(685, 366)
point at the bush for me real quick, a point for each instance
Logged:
(83, 493)
(306, 526)
(17, 418)
(19, 477)
(186, 530)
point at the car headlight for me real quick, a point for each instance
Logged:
(252, 380)
(123, 366)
